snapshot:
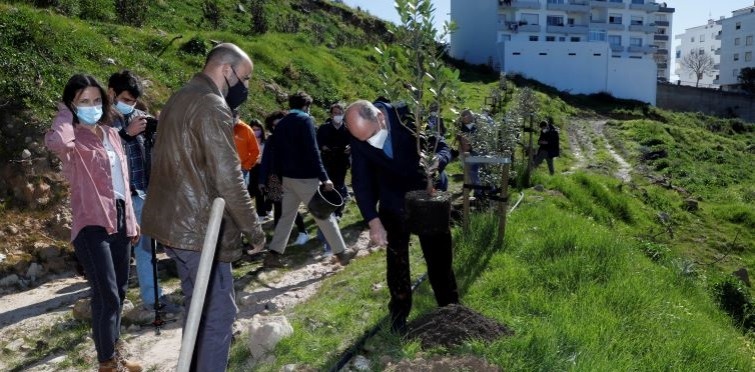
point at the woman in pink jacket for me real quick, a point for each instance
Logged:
(103, 226)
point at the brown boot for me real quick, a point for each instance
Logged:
(121, 352)
(109, 366)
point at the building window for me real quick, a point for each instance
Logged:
(736, 41)
(574, 39)
(614, 40)
(702, 38)
(635, 57)
(738, 25)
(614, 19)
(530, 19)
(533, 38)
(692, 39)
(736, 56)
(638, 1)
(635, 21)
(678, 54)
(555, 1)
(701, 51)
(554, 21)
(635, 41)
(748, 40)
(615, 1)
(550, 38)
(748, 56)
(562, 38)
(660, 18)
(596, 35)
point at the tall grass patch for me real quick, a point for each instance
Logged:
(581, 297)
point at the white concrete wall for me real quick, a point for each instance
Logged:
(585, 67)
(475, 38)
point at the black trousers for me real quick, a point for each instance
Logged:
(260, 201)
(337, 169)
(438, 252)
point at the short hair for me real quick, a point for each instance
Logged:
(276, 115)
(299, 100)
(544, 123)
(336, 106)
(225, 53)
(125, 80)
(76, 84)
(365, 109)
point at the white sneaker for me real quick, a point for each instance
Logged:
(302, 239)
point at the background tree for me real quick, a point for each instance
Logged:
(747, 79)
(698, 64)
(260, 24)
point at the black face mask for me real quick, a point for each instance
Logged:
(237, 93)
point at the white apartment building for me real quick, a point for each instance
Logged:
(737, 46)
(700, 39)
(582, 46)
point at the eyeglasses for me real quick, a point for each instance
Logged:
(237, 75)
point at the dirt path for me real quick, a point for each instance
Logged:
(270, 291)
(583, 134)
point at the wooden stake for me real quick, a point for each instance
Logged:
(465, 191)
(503, 205)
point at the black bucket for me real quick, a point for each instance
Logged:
(324, 203)
(428, 214)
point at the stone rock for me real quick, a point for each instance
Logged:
(15, 345)
(57, 265)
(82, 309)
(289, 368)
(690, 205)
(539, 188)
(25, 154)
(11, 230)
(9, 280)
(34, 271)
(109, 61)
(21, 266)
(58, 360)
(743, 275)
(2, 257)
(46, 252)
(240, 8)
(266, 332)
(361, 363)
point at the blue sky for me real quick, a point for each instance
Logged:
(689, 13)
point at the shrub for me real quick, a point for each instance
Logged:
(260, 24)
(132, 12)
(733, 298)
(196, 46)
(96, 10)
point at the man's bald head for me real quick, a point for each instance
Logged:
(226, 54)
(227, 64)
(363, 119)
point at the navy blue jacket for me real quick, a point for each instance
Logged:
(377, 178)
(295, 150)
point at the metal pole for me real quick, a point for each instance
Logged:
(200, 286)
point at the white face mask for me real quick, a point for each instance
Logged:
(378, 140)
(470, 125)
(433, 113)
(338, 119)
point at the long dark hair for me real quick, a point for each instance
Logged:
(78, 83)
(256, 123)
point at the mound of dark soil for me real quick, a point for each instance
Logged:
(452, 325)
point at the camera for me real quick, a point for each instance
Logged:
(151, 129)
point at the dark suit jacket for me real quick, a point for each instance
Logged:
(377, 178)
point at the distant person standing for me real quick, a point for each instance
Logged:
(264, 207)
(297, 156)
(385, 166)
(246, 146)
(194, 162)
(549, 147)
(333, 140)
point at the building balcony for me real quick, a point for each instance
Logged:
(521, 27)
(663, 23)
(665, 9)
(648, 7)
(641, 49)
(574, 6)
(607, 4)
(662, 65)
(718, 35)
(567, 29)
(661, 51)
(648, 29)
(657, 37)
(603, 25)
(520, 4)
(717, 66)
(717, 52)
(617, 48)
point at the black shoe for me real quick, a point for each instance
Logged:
(398, 326)
(273, 260)
(345, 257)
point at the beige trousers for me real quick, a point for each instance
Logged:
(296, 191)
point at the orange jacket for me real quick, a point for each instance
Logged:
(246, 145)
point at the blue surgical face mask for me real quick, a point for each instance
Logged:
(89, 115)
(124, 108)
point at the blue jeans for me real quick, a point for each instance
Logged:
(143, 254)
(216, 325)
(105, 258)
